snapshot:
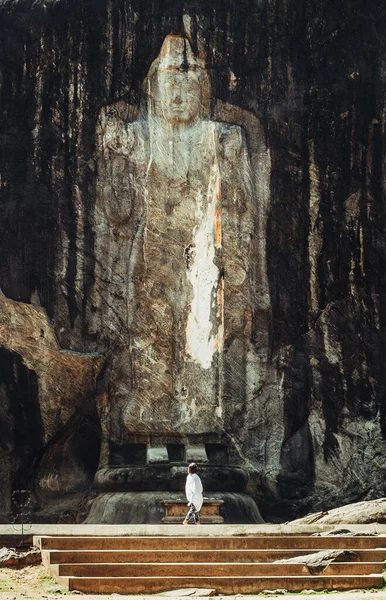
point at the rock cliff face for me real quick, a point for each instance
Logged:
(305, 82)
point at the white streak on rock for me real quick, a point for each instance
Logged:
(315, 240)
(202, 340)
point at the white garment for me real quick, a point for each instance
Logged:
(193, 490)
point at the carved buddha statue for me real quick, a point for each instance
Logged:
(180, 231)
(175, 241)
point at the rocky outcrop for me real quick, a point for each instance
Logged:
(372, 511)
(11, 558)
(64, 379)
(47, 397)
(305, 84)
(317, 562)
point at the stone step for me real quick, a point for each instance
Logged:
(209, 569)
(210, 543)
(223, 585)
(233, 564)
(187, 556)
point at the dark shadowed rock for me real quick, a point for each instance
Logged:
(46, 396)
(64, 379)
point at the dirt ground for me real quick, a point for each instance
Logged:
(33, 583)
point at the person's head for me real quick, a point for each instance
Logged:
(192, 468)
(178, 85)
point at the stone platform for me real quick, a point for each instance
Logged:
(11, 531)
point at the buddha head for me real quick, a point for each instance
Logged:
(177, 85)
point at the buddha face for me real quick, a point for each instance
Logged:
(179, 94)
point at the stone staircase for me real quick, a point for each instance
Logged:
(231, 565)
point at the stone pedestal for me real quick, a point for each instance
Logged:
(176, 511)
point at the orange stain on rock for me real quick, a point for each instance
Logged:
(218, 188)
(218, 227)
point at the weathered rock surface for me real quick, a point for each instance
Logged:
(304, 83)
(64, 379)
(372, 511)
(11, 558)
(169, 478)
(344, 532)
(317, 562)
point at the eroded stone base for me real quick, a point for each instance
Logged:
(165, 477)
(148, 507)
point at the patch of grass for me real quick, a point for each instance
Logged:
(47, 582)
